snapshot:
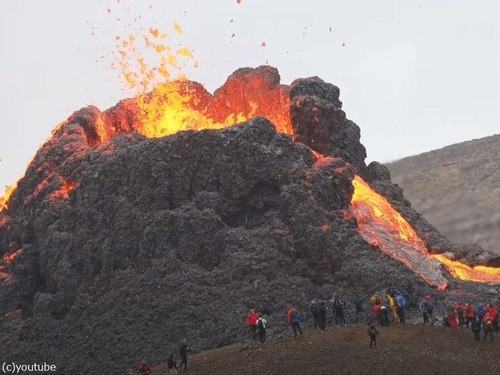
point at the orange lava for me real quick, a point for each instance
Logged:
(9, 258)
(482, 274)
(4, 200)
(382, 226)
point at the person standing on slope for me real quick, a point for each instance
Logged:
(372, 332)
(251, 322)
(475, 327)
(293, 320)
(322, 316)
(314, 312)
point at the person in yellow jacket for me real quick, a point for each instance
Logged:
(393, 306)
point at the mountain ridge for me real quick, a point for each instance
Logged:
(457, 189)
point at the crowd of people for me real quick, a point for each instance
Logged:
(384, 312)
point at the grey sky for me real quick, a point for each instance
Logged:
(414, 75)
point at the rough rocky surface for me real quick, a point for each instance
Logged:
(457, 189)
(125, 245)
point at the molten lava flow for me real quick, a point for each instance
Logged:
(9, 258)
(462, 271)
(182, 105)
(64, 191)
(4, 200)
(382, 226)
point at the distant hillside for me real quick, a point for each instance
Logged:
(457, 189)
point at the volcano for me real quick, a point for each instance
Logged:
(168, 216)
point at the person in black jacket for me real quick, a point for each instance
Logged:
(322, 316)
(183, 349)
(314, 312)
(475, 327)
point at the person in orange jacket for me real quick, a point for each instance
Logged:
(251, 322)
(293, 320)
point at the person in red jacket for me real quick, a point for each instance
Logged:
(144, 369)
(494, 315)
(292, 317)
(251, 322)
(488, 326)
(469, 314)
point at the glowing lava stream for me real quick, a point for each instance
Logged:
(381, 225)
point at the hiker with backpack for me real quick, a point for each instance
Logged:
(261, 324)
(492, 310)
(427, 309)
(293, 320)
(251, 322)
(488, 326)
(314, 312)
(372, 332)
(401, 304)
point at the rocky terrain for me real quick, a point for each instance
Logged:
(457, 189)
(116, 246)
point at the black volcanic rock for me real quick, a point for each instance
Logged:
(319, 122)
(130, 245)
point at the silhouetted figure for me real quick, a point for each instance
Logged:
(358, 305)
(322, 316)
(172, 365)
(372, 332)
(475, 327)
(314, 312)
(183, 349)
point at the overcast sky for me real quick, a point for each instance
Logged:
(414, 75)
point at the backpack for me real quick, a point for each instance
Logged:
(401, 300)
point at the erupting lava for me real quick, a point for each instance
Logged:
(382, 226)
(5, 198)
(181, 105)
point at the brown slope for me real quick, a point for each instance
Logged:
(457, 189)
(410, 349)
